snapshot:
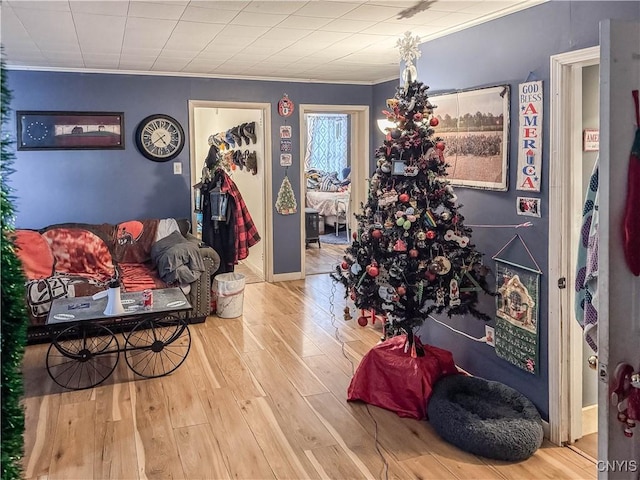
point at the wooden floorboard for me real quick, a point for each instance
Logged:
(258, 397)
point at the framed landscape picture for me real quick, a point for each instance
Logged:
(70, 130)
(474, 125)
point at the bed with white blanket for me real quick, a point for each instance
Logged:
(333, 206)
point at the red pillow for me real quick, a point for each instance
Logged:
(35, 254)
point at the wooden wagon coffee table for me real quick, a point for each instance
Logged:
(84, 349)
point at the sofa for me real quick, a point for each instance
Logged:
(80, 259)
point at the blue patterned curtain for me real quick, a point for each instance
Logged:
(327, 144)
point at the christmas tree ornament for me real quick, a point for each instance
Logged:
(401, 290)
(430, 234)
(344, 265)
(373, 271)
(404, 198)
(377, 234)
(347, 314)
(400, 246)
(440, 265)
(406, 225)
(400, 221)
(356, 268)
(434, 123)
(413, 253)
(417, 117)
(362, 321)
(440, 145)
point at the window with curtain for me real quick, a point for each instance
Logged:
(327, 142)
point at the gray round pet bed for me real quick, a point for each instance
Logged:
(485, 418)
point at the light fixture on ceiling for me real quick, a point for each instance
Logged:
(384, 124)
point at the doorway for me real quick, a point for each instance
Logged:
(573, 388)
(334, 153)
(207, 118)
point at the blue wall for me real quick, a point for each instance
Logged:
(509, 50)
(96, 186)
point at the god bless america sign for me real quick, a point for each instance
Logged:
(530, 136)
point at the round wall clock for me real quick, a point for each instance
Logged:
(160, 138)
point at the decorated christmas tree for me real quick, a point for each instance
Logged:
(286, 201)
(412, 254)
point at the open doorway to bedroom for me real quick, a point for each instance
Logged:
(334, 152)
(327, 170)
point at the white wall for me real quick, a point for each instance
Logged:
(208, 121)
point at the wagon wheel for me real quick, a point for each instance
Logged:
(82, 357)
(157, 347)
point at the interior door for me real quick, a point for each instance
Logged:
(619, 311)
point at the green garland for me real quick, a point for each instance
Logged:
(14, 315)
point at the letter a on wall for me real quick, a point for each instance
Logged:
(529, 136)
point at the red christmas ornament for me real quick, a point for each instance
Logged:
(440, 146)
(352, 295)
(417, 117)
(401, 290)
(355, 235)
(377, 234)
(431, 234)
(434, 122)
(362, 321)
(344, 265)
(403, 197)
(373, 271)
(413, 253)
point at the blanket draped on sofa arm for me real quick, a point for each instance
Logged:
(177, 259)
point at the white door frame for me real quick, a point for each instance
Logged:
(359, 160)
(565, 196)
(267, 235)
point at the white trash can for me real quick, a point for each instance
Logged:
(228, 288)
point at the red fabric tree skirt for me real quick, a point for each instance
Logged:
(389, 378)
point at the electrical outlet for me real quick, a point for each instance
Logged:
(490, 335)
(177, 168)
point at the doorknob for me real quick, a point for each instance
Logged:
(593, 362)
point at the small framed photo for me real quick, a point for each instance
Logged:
(591, 140)
(285, 159)
(528, 206)
(70, 130)
(285, 131)
(285, 145)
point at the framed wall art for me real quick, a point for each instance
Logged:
(474, 125)
(70, 130)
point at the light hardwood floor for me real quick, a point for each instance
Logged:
(323, 260)
(259, 397)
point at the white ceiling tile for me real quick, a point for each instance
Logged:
(102, 61)
(372, 13)
(192, 36)
(43, 5)
(169, 64)
(207, 15)
(325, 38)
(48, 25)
(324, 9)
(139, 65)
(350, 26)
(388, 28)
(453, 19)
(98, 7)
(189, 54)
(25, 56)
(99, 34)
(12, 29)
(257, 19)
(239, 33)
(147, 33)
(278, 33)
(234, 6)
(360, 40)
(164, 11)
(286, 8)
(260, 49)
(198, 68)
(66, 63)
(140, 52)
(59, 55)
(305, 23)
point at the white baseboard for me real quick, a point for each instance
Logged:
(589, 419)
(546, 430)
(285, 277)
